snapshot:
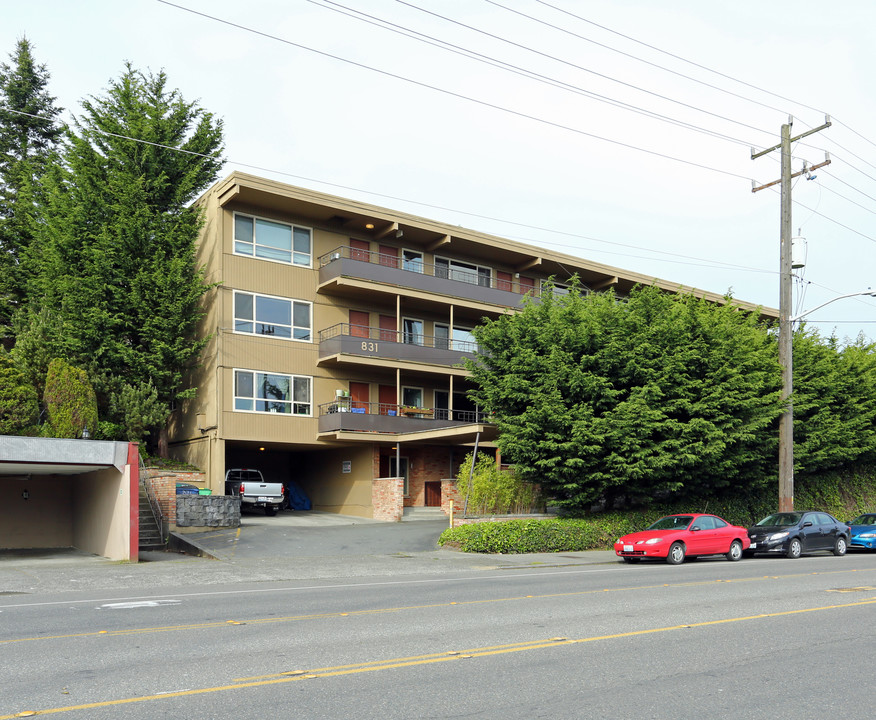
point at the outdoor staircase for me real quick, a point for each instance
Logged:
(150, 533)
(423, 513)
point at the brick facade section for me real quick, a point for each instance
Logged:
(387, 499)
(163, 485)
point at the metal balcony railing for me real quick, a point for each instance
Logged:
(438, 270)
(394, 336)
(349, 405)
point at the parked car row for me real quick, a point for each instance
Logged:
(690, 535)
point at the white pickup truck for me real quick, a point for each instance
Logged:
(254, 492)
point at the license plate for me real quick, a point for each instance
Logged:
(262, 498)
(753, 545)
(628, 548)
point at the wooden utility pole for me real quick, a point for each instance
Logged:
(786, 330)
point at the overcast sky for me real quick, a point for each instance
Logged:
(616, 131)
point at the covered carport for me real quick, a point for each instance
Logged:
(57, 493)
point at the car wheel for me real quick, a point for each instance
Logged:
(795, 549)
(631, 559)
(270, 510)
(676, 554)
(840, 547)
(735, 551)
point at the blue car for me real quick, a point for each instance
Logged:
(864, 532)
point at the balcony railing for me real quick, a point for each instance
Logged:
(438, 278)
(409, 338)
(355, 416)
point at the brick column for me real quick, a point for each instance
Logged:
(387, 498)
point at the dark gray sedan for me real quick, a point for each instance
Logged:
(793, 533)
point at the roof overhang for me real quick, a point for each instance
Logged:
(56, 456)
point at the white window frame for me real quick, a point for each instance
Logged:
(466, 272)
(255, 399)
(420, 336)
(419, 390)
(255, 323)
(418, 265)
(255, 244)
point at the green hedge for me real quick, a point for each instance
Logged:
(844, 495)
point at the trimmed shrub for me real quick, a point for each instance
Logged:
(842, 495)
(70, 400)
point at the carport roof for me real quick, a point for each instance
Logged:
(55, 456)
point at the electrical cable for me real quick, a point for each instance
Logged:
(516, 69)
(454, 94)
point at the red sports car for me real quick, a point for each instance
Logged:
(675, 537)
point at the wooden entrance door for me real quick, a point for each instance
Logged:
(387, 400)
(433, 493)
(360, 250)
(360, 396)
(388, 327)
(359, 323)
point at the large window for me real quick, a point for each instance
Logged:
(272, 393)
(412, 260)
(413, 331)
(464, 272)
(462, 338)
(267, 315)
(271, 240)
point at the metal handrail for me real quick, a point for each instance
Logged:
(348, 404)
(422, 268)
(394, 336)
(154, 505)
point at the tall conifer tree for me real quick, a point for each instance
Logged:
(29, 135)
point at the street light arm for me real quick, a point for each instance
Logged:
(868, 291)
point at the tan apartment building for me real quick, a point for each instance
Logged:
(338, 330)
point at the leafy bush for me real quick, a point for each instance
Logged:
(494, 491)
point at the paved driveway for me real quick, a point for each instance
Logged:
(318, 534)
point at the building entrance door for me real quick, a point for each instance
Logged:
(433, 493)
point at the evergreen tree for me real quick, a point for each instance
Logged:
(19, 408)
(660, 395)
(29, 134)
(117, 264)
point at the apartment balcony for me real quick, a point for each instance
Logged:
(346, 416)
(357, 344)
(356, 273)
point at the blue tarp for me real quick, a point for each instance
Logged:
(297, 499)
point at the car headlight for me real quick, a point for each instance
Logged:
(777, 536)
(653, 541)
(867, 535)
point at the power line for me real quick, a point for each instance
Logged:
(701, 262)
(451, 93)
(579, 67)
(685, 60)
(502, 65)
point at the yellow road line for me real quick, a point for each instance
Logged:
(395, 663)
(404, 608)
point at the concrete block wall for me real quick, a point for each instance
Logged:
(197, 512)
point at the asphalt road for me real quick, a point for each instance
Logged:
(583, 637)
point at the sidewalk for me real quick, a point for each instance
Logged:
(260, 552)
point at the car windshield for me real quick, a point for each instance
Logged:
(781, 519)
(864, 520)
(672, 522)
